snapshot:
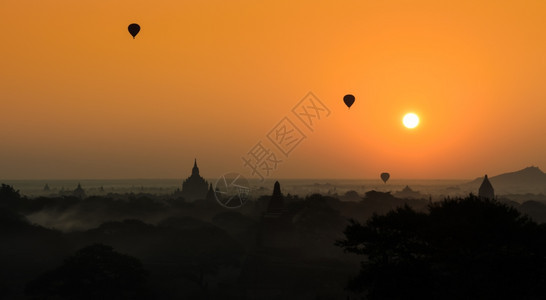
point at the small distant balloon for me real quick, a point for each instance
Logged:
(349, 100)
(385, 177)
(134, 29)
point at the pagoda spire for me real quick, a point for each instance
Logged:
(486, 189)
(276, 204)
(195, 170)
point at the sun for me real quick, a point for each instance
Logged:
(410, 120)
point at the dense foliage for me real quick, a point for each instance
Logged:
(460, 249)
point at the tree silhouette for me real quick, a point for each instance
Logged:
(8, 192)
(461, 249)
(9, 197)
(94, 272)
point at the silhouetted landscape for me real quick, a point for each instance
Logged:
(185, 245)
(255, 150)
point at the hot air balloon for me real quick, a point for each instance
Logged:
(134, 29)
(385, 177)
(349, 100)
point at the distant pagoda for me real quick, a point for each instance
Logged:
(408, 193)
(486, 189)
(210, 194)
(276, 204)
(276, 230)
(79, 192)
(195, 187)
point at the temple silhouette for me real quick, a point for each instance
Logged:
(408, 193)
(486, 189)
(79, 192)
(276, 224)
(195, 187)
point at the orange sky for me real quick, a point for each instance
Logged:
(209, 79)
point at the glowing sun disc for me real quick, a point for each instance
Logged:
(411, 120)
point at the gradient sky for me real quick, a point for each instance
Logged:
(209, 79)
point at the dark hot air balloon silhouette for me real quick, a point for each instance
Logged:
(385, 177)
(349, 100)
(134, 29)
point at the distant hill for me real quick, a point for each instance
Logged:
(528, 180)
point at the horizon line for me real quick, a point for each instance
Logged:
(208, 178)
